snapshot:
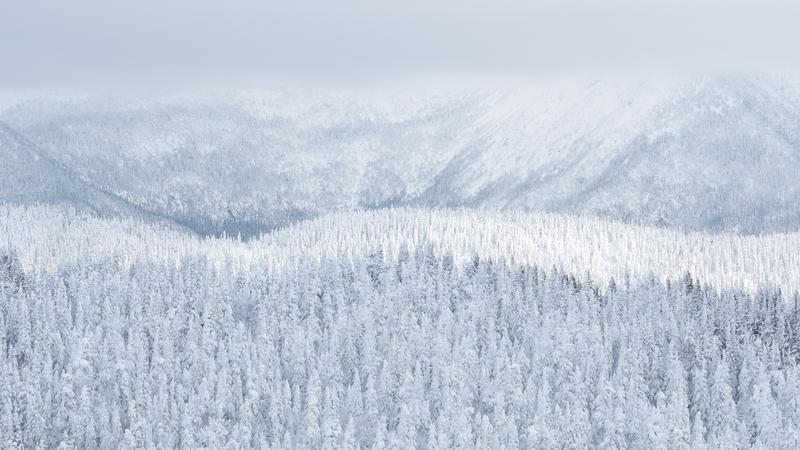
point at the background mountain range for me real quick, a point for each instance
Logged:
(712, 153)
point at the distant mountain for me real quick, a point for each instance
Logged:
(703, 153)
(718, 154)
(243, 163)
(29, 176)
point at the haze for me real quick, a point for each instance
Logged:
(90, 43)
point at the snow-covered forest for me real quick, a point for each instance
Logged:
(395, 329)
(702, 152)
(47, 237)
(409, 225)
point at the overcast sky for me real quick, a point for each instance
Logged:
(59, 44)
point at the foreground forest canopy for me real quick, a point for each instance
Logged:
(395, 329)
(399, 353)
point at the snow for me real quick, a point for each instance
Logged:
(605, 248)
(117, 333)
(627, 149)
(577, 264)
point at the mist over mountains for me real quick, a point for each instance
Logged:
(713, 153)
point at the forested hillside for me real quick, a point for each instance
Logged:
(402, 352)
(46, 238)
(248, 161)
(394, 329)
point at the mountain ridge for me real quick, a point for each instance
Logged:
(713, 153)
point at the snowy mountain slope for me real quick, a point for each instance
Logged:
(244, 165)
(530, 134)
(710, 153)
(718, 154)
(24, 173)
(30, 176)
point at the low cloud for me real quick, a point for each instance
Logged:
(94, 42)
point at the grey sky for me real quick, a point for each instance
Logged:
(86, 42)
